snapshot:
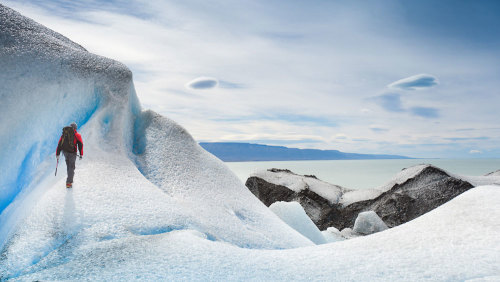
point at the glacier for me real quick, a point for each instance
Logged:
(142, 174)
(149, 203)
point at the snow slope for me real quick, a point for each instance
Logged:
(456, 242)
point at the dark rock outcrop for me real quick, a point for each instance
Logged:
(426, 190)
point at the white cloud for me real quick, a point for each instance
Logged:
(303, 60)
(203, 82)
(475, 152)
(415, 82)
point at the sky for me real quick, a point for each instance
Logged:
(414, 78)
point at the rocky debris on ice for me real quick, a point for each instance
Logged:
(368, 223)
(411, 193)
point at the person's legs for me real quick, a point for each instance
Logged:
(70, 165)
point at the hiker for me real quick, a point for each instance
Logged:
(68, 143)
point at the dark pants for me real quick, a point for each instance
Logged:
(70, 165)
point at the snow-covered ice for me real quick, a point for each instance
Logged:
(332, 234)
(368, 223)
(457, 241)
(348, 233)
(359, 195)
(298, 183)
(150, 204)
(294, 215)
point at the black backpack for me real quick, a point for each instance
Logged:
(68, 139)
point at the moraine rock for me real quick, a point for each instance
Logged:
(411, 193)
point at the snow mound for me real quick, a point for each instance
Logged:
(332, 234)
(212, 196)
(297, 183)
(294, 215)
(368, 223)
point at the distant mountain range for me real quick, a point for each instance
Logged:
(240, 152)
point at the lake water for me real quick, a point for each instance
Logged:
(364, 174)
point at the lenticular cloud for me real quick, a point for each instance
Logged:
(203, 83)
(416, 82)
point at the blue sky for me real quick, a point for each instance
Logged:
(416, 78)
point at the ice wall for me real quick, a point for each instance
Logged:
(47, 82)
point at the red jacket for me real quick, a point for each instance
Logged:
(77, 142)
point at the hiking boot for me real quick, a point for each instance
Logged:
(69, 185)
